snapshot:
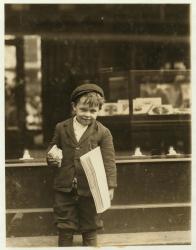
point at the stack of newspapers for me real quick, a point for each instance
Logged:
(92, 163)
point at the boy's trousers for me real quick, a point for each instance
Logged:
(76, 213)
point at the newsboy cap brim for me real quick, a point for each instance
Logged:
(84, 89)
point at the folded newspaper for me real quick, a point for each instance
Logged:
(56, 154)
(92, 163)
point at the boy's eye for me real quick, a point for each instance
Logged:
(94, 110)
(83, 109)
(86, 110)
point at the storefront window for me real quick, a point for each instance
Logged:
(157, 110)
(117, 102)
(161, 92)
(121, 53)
(23, 102)
(32, 67)
(11, 111)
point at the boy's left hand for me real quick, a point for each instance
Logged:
(111, 192)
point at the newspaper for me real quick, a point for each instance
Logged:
(92, 163)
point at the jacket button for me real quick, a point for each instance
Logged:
(77, 148)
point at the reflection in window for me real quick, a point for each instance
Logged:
(162, 92)
(23, 103)
(10, 57)
(117, 103)
(11, 112)
(32, 65)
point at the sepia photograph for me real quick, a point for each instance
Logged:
(98, 108)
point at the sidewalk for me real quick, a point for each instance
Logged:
(124, 239)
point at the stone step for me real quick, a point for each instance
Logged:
(122, 239)
(160, 219)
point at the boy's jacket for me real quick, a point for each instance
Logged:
(95, 135)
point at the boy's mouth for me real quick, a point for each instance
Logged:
(86, 119)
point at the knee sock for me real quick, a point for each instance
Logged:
(65, 238)
(89, 238)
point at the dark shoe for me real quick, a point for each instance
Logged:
(89, 238)
(65, 238)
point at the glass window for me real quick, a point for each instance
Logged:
(117, 101)
(11, 112)
(23, 96)
(161, 92)
(32, 67)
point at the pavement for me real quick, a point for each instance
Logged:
(122, 239)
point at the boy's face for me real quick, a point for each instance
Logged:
(85, 114)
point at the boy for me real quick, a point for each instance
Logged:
(74, 207)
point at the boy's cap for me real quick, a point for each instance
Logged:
(84, 89)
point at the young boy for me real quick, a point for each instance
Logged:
(74, 207)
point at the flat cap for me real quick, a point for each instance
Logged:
(84, 89)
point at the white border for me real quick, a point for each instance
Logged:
(193, 61)
(100, 1)
(2, 169)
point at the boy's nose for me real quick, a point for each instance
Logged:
(88, 114)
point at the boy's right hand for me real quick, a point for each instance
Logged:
(54, 156)
(54, 162)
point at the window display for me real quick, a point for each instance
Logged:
(155, 112)
(117, 91)
(153, 92)
(171, 87)
(32, 67)
(11, 111)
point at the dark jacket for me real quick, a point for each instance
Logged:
(95, 135)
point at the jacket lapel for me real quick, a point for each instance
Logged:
(69, 131)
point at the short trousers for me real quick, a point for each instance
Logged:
(75, 212)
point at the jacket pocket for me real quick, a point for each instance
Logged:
(64, 176)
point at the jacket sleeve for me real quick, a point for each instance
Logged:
(108, 154)
(55, 140)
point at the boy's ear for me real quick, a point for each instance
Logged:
(73, 105)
